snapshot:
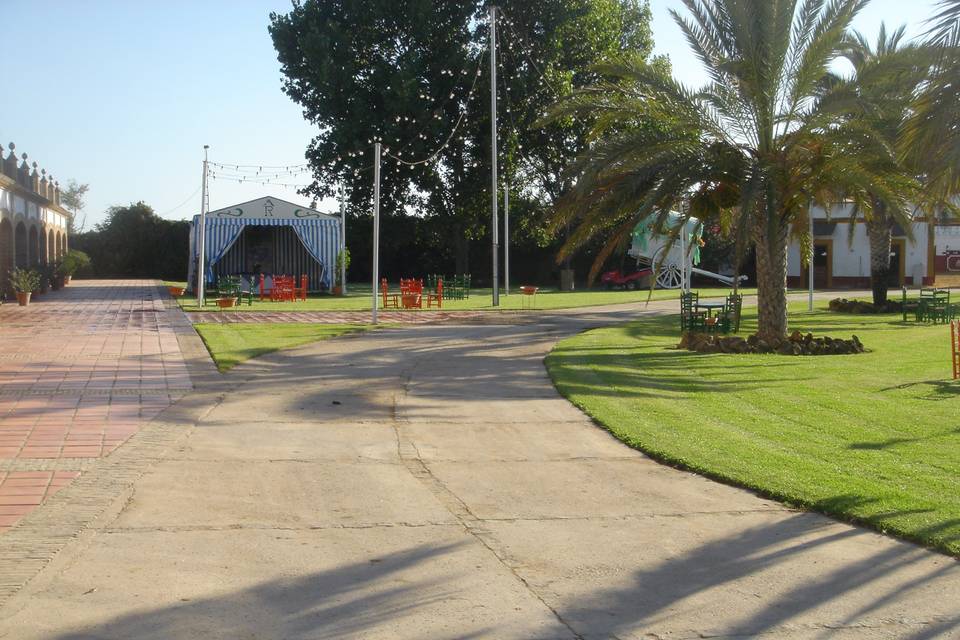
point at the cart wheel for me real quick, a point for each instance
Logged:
(669, 276)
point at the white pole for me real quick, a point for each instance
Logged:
(493, 150)
(813, 252)
(202, 258)
(376, 229)
(343, 242)
(683, 257)
(506, 238)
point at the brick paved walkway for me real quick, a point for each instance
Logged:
(80, 370)
(334, 317)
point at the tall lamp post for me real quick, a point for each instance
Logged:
(202, 267)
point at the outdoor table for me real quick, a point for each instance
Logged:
(709, 306)
(529, 293)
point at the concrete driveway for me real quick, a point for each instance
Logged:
(428, 482)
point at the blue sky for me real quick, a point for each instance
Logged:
(123, 95)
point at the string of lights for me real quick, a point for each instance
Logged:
(456, 127)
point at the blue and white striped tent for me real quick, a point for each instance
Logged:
(303, 241)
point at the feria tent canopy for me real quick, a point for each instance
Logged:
(269, 236)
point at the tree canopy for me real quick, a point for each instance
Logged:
(414, 74)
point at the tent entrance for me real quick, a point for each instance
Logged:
(270, 250)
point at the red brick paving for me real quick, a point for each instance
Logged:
(331, 317)
(22, 491)
(80, 370)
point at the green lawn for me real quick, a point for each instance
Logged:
(231, 344)
(873, 437)
(480, 300)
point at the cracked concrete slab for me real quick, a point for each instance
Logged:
(372, 583)
(187, 493)
(278, 440)
(793, 575)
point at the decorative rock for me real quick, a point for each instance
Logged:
(796, 344)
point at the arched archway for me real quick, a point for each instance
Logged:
(20, 245)
(33, 257)
(43, 256)
(6, 251)
(63, 243)
(51, 247)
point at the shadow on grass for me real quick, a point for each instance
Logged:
(939, 389)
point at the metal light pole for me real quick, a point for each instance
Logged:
(506, 238)
(493, 151)
(376, 227)
(202, 267)
(343, 243)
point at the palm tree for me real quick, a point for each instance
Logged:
(878, 95)
(933, 132)
(753, 148)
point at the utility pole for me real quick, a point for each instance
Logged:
(202, 266)
(506, 238)
(376, 229)
(493, 150)
(343, 243)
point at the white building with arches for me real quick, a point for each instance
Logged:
(33, 224)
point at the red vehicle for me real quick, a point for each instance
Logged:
(630, 280)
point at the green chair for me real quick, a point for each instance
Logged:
(730, 316)
(690, 318)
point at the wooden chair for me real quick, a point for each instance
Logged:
(389, 299)
(436, 295)
(411, 293)
(690, 318)
(301, 291)
(730, 316)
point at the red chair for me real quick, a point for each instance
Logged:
(282, 290)
(436, 296)
(389, 299)
(411, 293)
(301, 291)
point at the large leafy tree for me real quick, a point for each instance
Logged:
(754, 148)
(413, 74)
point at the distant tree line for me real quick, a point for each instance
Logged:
(134, 242)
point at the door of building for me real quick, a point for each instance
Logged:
(896, 272)
(822, 261)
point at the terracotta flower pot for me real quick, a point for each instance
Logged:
(338, 291)
(225, 303)
(66, 280)
(23, 298)
(176, 292)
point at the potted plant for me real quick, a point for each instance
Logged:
(24, 282)
(73, 262)
(176, 291)
(43, 284)
(225, 303)
(340, 267)
(57, 277)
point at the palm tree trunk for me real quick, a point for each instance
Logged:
(771, 249)
(880, 232)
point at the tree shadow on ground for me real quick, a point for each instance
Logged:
(354, 600)
(801, 571)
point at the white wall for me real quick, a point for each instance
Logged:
(853, 259)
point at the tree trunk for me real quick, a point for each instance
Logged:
(880, 232)
(771, 249)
